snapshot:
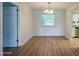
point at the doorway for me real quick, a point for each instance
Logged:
(10, 26)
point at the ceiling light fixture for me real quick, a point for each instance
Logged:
(49, 9)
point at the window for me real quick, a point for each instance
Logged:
(48, 19)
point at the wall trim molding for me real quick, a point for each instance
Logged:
(47, 35)
(68, 37)
(26, 40)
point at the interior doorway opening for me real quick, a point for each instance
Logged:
(10, 26)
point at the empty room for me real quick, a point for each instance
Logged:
(39, 28)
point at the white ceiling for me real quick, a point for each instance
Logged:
(54, 5)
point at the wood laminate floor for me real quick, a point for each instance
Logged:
(47, 46)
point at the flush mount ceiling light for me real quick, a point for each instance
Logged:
(49, 9)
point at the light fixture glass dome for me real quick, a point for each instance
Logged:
(51, 11)
(46, 11)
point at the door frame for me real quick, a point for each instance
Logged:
(18, 25)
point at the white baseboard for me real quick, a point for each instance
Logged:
(68, 37)
(47, 35)
(26, 40)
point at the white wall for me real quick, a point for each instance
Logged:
(58, 30)
(68, 24)
(25, 23)
(0, 28)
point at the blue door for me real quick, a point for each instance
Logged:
(9, 26)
